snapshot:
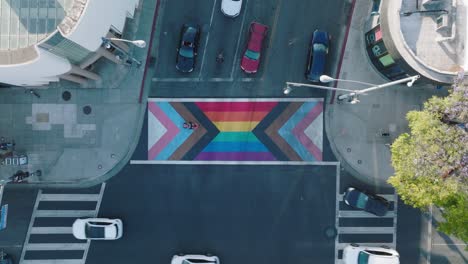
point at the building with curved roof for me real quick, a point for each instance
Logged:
(418, 37)
(42, 41)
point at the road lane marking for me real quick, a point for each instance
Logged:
(236, 60)
(207, 39)
(273, 32)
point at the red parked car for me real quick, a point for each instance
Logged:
(251, 58)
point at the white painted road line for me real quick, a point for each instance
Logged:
(207, 38)
(52, 230)
(52, 261)
(220, 162)
(202, 80)
(56, 246)
(362, 214)
(236, 60)
(341, 246)
(176, 80)
(366, 230)
(69, 197)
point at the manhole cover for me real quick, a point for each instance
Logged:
(87, 110)
(66, 95)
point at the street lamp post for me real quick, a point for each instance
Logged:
(352, 95)
(138, 43)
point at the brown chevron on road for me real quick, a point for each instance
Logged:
(192, 139)
(272, 131)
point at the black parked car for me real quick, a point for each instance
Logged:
(187, 51)
(318, 52)
(370, 203)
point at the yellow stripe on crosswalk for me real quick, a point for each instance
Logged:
(236, 126)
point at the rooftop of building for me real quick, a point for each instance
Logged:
(24, 23)
(435, 32)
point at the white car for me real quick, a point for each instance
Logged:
(355, 254)
(98, 229)
(231, 8)
(194, 259)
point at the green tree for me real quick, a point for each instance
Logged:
(431, 162)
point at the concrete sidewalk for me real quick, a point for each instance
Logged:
(355, 133)
(355, 130)
(80, 136)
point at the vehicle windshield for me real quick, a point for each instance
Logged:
(362, 201)
(94, 231)
(320, 47)
(363, 258)
(186, 52)
(252, 55)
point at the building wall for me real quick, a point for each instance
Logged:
(94, 23)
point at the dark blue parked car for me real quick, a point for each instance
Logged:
(318, 52)
(370, 203)
(187, 51)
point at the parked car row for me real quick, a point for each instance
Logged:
(250, 62)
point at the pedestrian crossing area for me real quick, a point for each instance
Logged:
(49, 239)
(359, 227)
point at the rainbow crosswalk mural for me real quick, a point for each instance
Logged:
(262, 130)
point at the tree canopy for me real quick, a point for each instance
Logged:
(431, 161)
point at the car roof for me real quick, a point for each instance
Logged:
(374, 259)
(256, 36)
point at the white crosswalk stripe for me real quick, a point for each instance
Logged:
(31, 246)
(390, 229)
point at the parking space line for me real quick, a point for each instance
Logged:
(236, 60)
(176, 79)
(207, 39)
(201, 80)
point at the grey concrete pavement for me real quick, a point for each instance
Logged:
(355, 134)
(88, 136)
